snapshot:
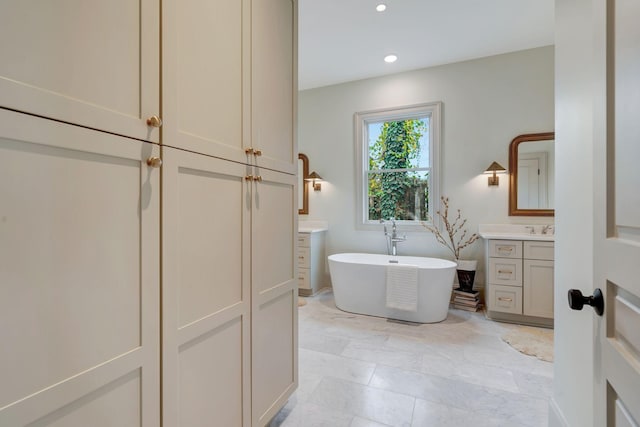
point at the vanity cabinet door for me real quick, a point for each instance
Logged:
(538, 288)
(86, 62)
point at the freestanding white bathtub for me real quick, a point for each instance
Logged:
(359, 285)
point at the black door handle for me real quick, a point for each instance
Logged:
(577, 300)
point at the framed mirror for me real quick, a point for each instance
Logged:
(303, 188)
(531, 175)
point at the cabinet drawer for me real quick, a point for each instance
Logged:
(538, 250)
(304, 256)
(304, 239)
(506, 299)
(505, 248)
(504, 271)
(303, 278)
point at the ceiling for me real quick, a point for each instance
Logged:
(345, 40)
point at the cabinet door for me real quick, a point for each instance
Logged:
(274, 83)
(538, 288)
(79, 275)
(274, 293)
(205, 291)
(87, 62)
(206, 76)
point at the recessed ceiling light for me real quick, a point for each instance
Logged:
(390, 58)
(381, 7)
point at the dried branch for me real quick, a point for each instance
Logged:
(452, 242)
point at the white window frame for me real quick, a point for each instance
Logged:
(361, 122)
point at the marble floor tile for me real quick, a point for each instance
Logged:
(378, 405)
(316, 363)
(430, 414)
(362, 371)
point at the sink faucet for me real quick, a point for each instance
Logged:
(531, 229)
(547, 229)
(392, 238)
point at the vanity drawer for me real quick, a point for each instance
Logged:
(506, 299)
(304, 239)
(505, 248)
(304, 256)
(303, 278)
(505, 271)
(538, 250)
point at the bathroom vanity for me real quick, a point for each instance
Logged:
(311, 257)
(519, 265)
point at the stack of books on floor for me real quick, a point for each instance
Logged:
(466, 300)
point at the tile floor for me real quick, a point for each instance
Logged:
(361, 371)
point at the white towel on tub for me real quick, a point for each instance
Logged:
(402, 287)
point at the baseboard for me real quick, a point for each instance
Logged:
(556, 418)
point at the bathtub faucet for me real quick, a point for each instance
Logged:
(392, 238)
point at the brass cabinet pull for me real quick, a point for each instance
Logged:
(248, 150)
(505, 249)
(505, 272)
(257, 153)
(154, 121)
(505, 299)
(154, 162)
(257, 178)
(249, 177)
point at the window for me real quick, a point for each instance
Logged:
(398, 157)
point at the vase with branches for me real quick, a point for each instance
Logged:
(455, 238)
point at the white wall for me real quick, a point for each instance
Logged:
(573, 361)
(486, 103)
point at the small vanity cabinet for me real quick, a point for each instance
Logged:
(520, 281)
(311, 260)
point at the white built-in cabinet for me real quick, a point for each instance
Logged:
(520, 281)
(147, 268)
(311, 261)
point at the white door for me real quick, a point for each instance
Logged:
(617, 216)
(87, 62)
(79, 277)
(205, 291)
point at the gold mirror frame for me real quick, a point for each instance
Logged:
(304, 210)
(513, 175)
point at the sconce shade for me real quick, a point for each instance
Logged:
(314, 178)
(492, 169)
(495, 167)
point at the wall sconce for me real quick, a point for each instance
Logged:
(315, 180)
(493, 168)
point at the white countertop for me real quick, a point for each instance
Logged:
(312, 226)
(515, 232)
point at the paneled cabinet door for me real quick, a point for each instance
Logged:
(79, 276)
(206, 279)
(274, 83)
(206, 76)
(538, 288)
(274, 293)
(88, 62)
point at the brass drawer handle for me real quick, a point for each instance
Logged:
(505, 249)
(505, 272)
(505, 299)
